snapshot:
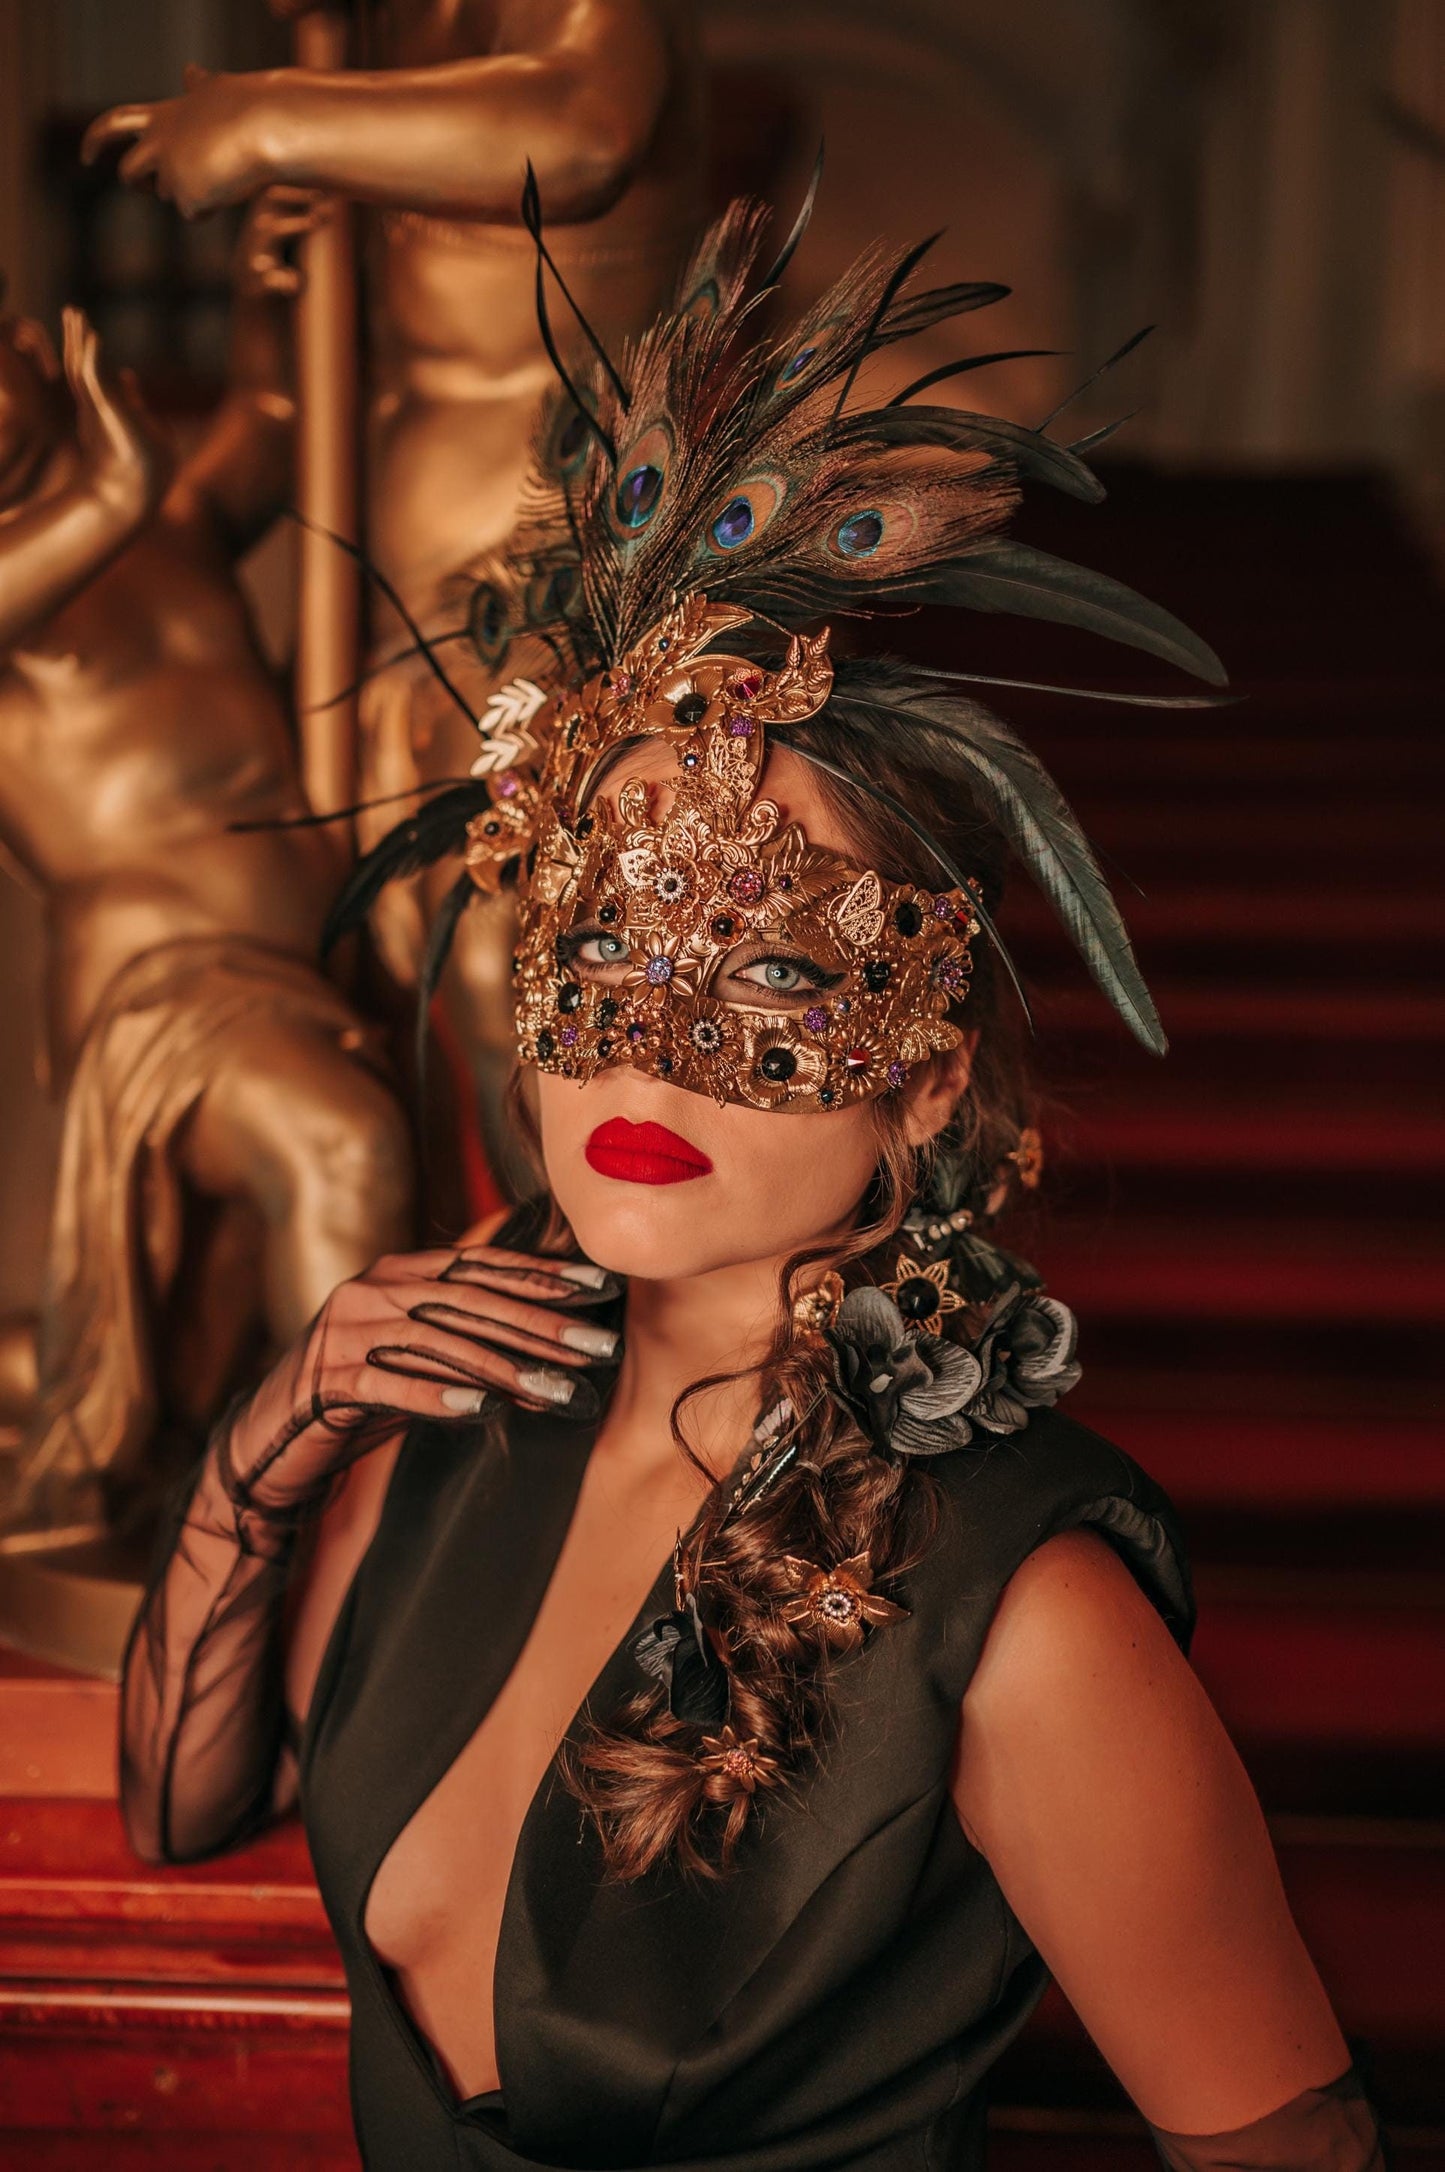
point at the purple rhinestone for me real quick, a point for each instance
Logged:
(747, 886)
(659, 971)
(507, 786)
(943, 908)
(896, 1073)
(569, 1036)
(843, 1006)
(815, 1018)
(636, 1033)
(740, 725)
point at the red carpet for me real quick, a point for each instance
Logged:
(1250, 1231)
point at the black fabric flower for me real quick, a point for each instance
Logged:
(923, 1395)
(677, 1651)
(1027, 1355)
(908, 1391)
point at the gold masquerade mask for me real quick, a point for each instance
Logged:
(710, 944)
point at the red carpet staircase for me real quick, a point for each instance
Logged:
(1250, 1233)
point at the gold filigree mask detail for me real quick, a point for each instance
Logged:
(640, 931)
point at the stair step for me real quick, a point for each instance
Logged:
(1384, 1131)
(1243, 1461)
(1251, 1271)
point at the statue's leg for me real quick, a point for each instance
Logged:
(319, 1144)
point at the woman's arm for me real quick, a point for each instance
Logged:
(205, 1676)
(1095, 1776)
(576, 86)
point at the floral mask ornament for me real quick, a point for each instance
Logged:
(633, 915)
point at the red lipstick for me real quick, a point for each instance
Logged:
(643, 1154)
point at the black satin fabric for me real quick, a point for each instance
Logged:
(834, 2002)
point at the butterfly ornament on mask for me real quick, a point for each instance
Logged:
(664, 896)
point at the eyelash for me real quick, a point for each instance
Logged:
(571, 945)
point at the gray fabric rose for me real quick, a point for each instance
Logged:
(922, 1395)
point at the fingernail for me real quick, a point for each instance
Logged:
(583, 1271)
(469, 1400)
(598, 1342)
(544, 1386)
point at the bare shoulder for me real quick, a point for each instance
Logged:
(1094, 1774)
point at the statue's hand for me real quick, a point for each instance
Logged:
(201, 150)
(125, 463)
(275, 222)
(423, 1334)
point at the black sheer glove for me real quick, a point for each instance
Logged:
(430, 1334)
(1331, 2129)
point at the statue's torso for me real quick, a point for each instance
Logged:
(134, 731)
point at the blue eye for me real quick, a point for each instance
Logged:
(796, 365)
(637, 495)
(734, 524)
(859, 535)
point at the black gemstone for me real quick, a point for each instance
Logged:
(606, 1011)
(691, 709)
(778, 1064)
(722, 926)
(546, 1047)
(607, 914)
(876, 974)
(586, 824)
(827, 1096)
(664, 1066)
(907, 918)
(917, 1298)
(569, 996)
(604, 1047)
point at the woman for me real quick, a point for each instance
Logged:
(721, 1687)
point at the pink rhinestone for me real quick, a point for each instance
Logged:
(815, 1018)
(747, 886)
(622, 682)
(507, 787)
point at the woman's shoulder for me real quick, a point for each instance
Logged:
(1004, 1497)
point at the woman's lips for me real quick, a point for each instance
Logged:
(643, 1153)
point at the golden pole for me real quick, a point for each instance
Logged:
(328, 647)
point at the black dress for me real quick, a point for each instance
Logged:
(835, 2001)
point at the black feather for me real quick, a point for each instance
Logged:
(799, 227)
(439, 940)
(425, 837)
(1033, 455)
(1020, 799)
(1008, 576)
(1136, 339)
(968, 362)
(388, 589)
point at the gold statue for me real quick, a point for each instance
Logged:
(202, 1055)
(604, 97)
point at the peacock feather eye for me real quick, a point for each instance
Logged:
(748, 511)
(487, 620)
(734, 524)
(795, 365)
(572, 440)
(859, 535)
(637, 495)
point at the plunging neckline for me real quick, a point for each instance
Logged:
(579, 1441)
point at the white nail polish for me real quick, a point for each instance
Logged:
(598, 1342)
(583, 1271)
(467, 1400)
(546, 1387)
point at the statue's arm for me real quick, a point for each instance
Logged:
(51, 548)
(241, 475)
(1095, 1776)
(576, 86)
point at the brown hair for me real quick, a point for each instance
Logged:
(647, 1779)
